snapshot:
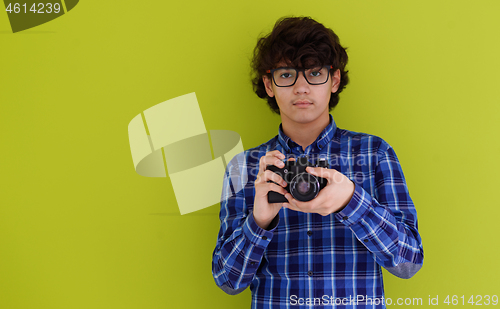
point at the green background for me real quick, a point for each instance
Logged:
(79, 228)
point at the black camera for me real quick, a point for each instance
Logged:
(301, 185)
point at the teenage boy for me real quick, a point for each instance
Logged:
(328, 251)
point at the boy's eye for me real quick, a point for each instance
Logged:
(316, 72)
(284, 73)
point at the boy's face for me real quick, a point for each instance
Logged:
(303, 103)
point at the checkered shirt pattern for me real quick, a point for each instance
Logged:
(307, 260)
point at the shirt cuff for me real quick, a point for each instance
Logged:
(257, 235)
(359, 204)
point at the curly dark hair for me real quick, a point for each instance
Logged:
(299, 42)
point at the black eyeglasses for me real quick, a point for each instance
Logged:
(286, 77)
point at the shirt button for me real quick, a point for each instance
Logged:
(309, 233)
(310, 273)
(264, 237)
(345, 217)
(365, 240)
(252, 263)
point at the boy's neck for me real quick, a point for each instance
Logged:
(304, 134)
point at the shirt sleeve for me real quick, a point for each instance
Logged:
(387, 225)
(241, 242)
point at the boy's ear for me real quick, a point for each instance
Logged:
(335, 81)
(269, 87)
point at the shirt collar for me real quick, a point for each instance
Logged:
(323, 138)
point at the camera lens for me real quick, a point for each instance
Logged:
(304, 187)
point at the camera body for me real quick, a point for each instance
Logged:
(301, 185)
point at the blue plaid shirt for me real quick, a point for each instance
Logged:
(305, 260)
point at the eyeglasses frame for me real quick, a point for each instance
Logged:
(297, 76)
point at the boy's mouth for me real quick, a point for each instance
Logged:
(302, 103)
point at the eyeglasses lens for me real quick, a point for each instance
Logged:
(284, 77)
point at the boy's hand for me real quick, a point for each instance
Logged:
(332, 198)
(263, 212)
